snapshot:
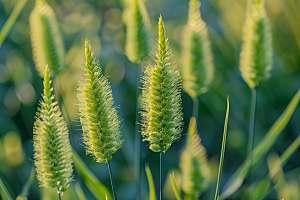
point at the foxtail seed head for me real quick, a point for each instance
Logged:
(99, 119)
(161, 99)
(193, 163)
(53, 154)
(256, 53)
(197, 67)
(46, 41)
(138, 37)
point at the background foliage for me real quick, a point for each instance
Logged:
(101, 22)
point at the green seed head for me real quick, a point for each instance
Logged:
(99, 119)
(46, 41)
(193, 163)
(52, 157)
(138, 37)
(256, 53)
(197, 67)
(161, 99)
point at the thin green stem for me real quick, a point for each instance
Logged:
(11, 20)
(196, 108)
(111, 181)
(251, 128)
(161, 175)
(58, 193)
(137, 165)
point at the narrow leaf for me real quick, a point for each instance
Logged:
(222, 151)
(94, 185)
(260, 189)
(261, 149)
(79, 191)
(11, 20)
(25, 190)
(151, 183)
(174, 186)
(285, 156)
(4, 191)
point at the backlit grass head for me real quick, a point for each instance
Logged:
(256, 53)
(161, 99)
(197, 60)
(99, 119)
(138, 37)
(52, 157)
(46, 41)
(193, 163)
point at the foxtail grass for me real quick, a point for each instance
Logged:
(53, 154)
(99, 119)
(139, 39)
(46, 40)
(255, 57)
(161, 100)
(193, 164)
(197, 58)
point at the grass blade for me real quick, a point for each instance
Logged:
(79, 191)
(261, 149)
(285, 156)
(4, 192)
(25, 190)
(11, 20)
(95, 186)
(222, 151)
(152, 195)
(174, 186)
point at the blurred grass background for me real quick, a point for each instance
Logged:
(101, 22)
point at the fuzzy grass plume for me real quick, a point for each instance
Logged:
(46, 41)
(53, 154)
(197, 67)
(161, 99)
(138, 37)
(256, 53)
(99, 119)
(193, 163)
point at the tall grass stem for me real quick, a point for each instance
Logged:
(251, 127)
(111, 181)
(196, 108)
(137, 165)
(161, 175)
(58, 193)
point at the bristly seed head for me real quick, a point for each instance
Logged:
(193, 163)
(53, 153)
(197, 59)
(161, 99)
(99, 119)
(256, 53)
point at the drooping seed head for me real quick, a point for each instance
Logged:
(53, 154)
(197, 62)
(193, 163)
(256, 50)
(46, 41)
(138, 37)
(161, 99)
(99, 119)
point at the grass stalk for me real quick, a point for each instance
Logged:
(58, 193)
(111, 181)
(137, 165)
(161, 176)
(222, 152)
(251, 127)
(11, 20)
(196, 108)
